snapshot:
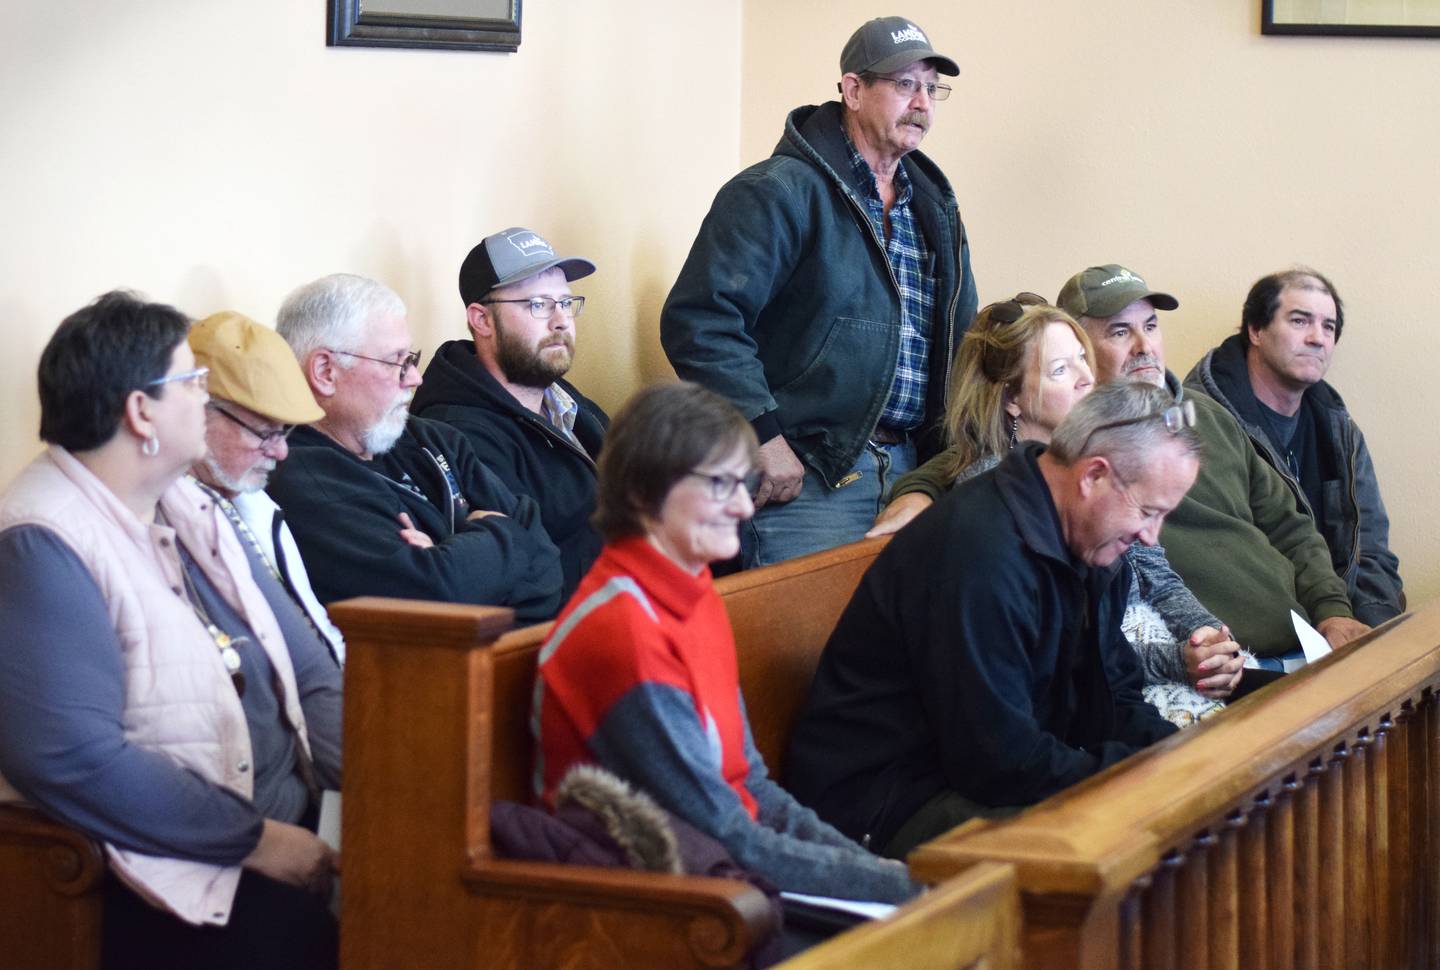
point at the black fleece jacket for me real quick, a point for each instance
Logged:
(519, 446)
(344, 514)
(977, 656)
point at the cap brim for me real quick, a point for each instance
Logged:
(905, 58)
(1162, 301)
(574, 268)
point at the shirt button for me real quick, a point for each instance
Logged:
(165, 543)
(176, 590)
(243, 766)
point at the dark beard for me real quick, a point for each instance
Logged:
(523, 366)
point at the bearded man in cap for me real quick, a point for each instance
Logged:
(825, 295)
(1238, 539)
(504, 389)
(257, 397)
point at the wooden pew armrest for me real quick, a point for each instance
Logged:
(73, 862)
(722, 919)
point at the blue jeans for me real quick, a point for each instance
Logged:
(1277, 662)
(822, 518)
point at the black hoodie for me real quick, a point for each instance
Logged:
(522, 448)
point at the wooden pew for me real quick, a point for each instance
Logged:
(1299, 829)
(971, 921)
(437, 725)
(50, 902)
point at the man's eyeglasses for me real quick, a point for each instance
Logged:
(542, 306)
(908, 86)
(199, 378)
(1008, 311)
(410, 360)
(267, 438)
(1177, 417)
(723, 485)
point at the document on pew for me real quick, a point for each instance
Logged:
(329, 827)
(1312, 641)
(853, 907)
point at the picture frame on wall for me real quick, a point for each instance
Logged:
(1351, 18)
(474, 25)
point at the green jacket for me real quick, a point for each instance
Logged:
(1238, 539)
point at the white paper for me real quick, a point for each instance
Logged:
(855, 907)
(1311, 640)
(329, 828)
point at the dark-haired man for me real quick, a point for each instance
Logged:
(504, 389)
(826, 292)
(1271, 377)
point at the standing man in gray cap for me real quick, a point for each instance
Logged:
(825, 295)
(504, 389)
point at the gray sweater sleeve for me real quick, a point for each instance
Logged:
(1158, 585)
(62, 739)
(652, 738)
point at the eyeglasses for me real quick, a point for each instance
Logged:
(198, 378)
(723, 485)
(1177, 417)
(908, 86)
(267, 438)
(410, 360)
(542, 306)
(1008, 311)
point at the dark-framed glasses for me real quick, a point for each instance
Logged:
(1177, 417)
(197, 378)
(542, 306)
(410, 360)
(908, 86)
(723, 484)
(266, 438)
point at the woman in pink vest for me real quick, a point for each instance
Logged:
(154, 691)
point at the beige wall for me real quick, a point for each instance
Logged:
(1174, 138)
(216, 155)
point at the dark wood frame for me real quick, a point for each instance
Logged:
(349, 26)
(1269, 26)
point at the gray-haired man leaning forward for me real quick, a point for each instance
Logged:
(924, 710)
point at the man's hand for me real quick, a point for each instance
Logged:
(1340, 630)
(412, 535)
(1213, 662)
(295, 856)
(897, 514)
(781, 474)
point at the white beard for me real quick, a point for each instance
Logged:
(381, 437)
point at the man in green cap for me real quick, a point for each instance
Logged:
(825, 295)
(1238, 539)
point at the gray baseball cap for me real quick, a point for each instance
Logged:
(511, 255)
(889, 43)
(1103, 291)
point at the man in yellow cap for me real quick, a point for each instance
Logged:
(257, 396)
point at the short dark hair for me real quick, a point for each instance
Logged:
(96, 357)
(1264, 298)
(662, 433)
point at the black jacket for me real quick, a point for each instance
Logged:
(522, 448)
(343, 512)
(1355, 526)
(977, 656)
(787, 305)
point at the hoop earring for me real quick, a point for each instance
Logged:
(151, 446)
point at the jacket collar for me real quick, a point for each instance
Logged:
(1025, 493)
(678, 592)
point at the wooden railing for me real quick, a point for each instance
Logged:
(1297, 830)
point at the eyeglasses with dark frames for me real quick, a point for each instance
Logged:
(266, 438)
(723, 485)
(908, 86)
(410, 360)
(1177, 417)
(198, 378)
(542, 306)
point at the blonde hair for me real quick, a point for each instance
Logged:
(990, 367)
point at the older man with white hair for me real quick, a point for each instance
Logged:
(387, 504)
